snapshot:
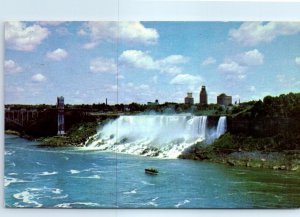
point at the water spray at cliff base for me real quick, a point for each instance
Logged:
(162, 136)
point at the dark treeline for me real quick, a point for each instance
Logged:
(168, 107)
(269, 125)
(274, 116)
(284, 105)
(280, 106)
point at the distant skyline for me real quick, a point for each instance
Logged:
(126, 62)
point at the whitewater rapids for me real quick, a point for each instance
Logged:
(162, 136)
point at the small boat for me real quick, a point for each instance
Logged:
(151, 171)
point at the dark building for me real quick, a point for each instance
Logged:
(224, 100)
(60, 116)
(203, 96)
(189, 99)
(153, 103)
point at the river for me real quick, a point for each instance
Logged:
(77, 178)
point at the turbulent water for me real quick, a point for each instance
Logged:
(80, 178)
(164, 136)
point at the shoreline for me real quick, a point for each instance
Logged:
(250, 163)
(288, 160)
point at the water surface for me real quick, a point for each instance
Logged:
(40, 177)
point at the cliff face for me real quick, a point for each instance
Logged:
(261, 127)
(212, 121)
(256, 127)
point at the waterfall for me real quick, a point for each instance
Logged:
(215, 132)
(221, 128)
(164, 136)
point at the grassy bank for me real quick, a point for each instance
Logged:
(247, 152)
(77, 135)
(13, 132)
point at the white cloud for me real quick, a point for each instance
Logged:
(251, 57)
(173, 59)
(38, 78)
(50, 23)
(287, 81)
(252, 88)
(120, 77)
(11, 67)
(142, 60)
(297, 60)
(14, 89)
(137, 32)
(102, 65)
(134, 88)
(170, 64)
(137, 59)
(209, 61)
(232, 69)
(20, 37)
(57, 55)
(142, 87)
(253, 33)
(111, 88)
(133, 92)
(281, 77)
(236, 67)
(90, 45)
(173, 70)
(154, 79)
(130, 32)
(14, 94)
(186, 79)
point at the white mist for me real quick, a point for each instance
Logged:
(164, 136)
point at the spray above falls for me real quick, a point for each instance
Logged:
(164, 136)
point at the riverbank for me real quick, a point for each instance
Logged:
(226, 150)
(20, 134)
(76, 136)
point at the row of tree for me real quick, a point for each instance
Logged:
(283, 106)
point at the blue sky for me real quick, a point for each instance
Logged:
(125, 62)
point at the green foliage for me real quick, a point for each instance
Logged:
(280, 106)
(225, 144)
(76, 136)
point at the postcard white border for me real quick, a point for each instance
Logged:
(145, 10)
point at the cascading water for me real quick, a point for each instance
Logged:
(222, 125)
(164, 136)
(215, 133)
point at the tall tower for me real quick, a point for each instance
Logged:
(203, 96)
(60, 116)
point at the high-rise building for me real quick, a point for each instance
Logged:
(203, 96)
(189, 99)
(60, 116)
(224, 100)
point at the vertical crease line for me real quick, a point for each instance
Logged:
(117, 95)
